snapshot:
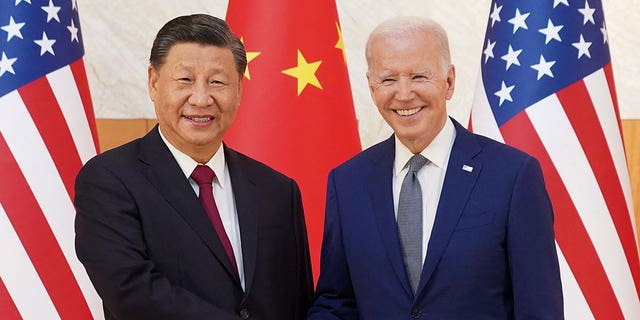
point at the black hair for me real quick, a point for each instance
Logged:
(202, 29)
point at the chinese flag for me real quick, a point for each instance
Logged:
(297, 112)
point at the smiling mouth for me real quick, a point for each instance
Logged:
(199, 119)
(408, 112)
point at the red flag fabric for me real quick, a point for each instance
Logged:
(47, 131)
(296, 113)
(547, 87)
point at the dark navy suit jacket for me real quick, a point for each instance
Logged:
(491, 254)
(152, 253)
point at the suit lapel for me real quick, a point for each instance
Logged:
(457, 187)
(380, 180)
(244, 192)
(164, 173)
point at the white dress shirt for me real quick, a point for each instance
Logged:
(431, 176)
(222, 194)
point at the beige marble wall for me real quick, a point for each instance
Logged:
(118, 34)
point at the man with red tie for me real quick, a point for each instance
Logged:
(176, 225)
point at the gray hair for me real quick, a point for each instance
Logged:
(404, 24)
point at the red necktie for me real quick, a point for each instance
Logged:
(203, 175)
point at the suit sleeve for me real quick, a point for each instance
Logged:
(334, 297)
(533, 261)
(110, 244)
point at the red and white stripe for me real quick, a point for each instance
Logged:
(576, 136)
(47, 132)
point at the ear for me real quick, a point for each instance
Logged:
(451, 81)
(371, 88)
(240, 82)
(153, 82)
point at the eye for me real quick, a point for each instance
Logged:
(216, 83)
(388, 81)
(419, 77)
(184, 80)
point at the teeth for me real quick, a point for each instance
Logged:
(408, 112)
(201, 119)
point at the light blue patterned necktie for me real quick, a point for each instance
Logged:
(410, 220)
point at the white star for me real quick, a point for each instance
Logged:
(6, 65)
(46, 44)
(605, 35)
(583, 47)
(13, 29)
(512, 57)
(18, 1)
(587, 13)
(518, 21)
(557, 2)
(74, 31)
(495, 14)
(52, 11)
(504, 93)
(551, 32)
(543, 67)
(488, 52)
(74, 5)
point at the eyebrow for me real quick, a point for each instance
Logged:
(189, 67)
(386, 74)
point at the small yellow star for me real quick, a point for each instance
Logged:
(305, 73)
(340, 43)
(250, 56)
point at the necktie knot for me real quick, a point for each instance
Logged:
(203, 175)
(416, 162)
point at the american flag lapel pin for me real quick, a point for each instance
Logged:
(467, 168)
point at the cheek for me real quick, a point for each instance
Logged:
(178, 96)
(385, 100)
(382, 97)
(430, 93)
(228, 102)
(169, 104)
(163, 116)
(231, 112)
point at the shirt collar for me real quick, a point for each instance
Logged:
(437, 151)
(187, 164)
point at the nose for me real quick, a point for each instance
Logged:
(201, 96)
(404, 89)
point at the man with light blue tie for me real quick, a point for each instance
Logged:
(435, 222)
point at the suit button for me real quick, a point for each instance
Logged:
(244, 314)
(416, 314)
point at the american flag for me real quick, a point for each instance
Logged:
(547, 87)
(47, 131)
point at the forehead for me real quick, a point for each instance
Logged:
(411, 52)
(188, 53)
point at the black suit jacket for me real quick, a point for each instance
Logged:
(152, 253)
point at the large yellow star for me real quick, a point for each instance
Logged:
(340, 43)
(250, 56)
(305, 73)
